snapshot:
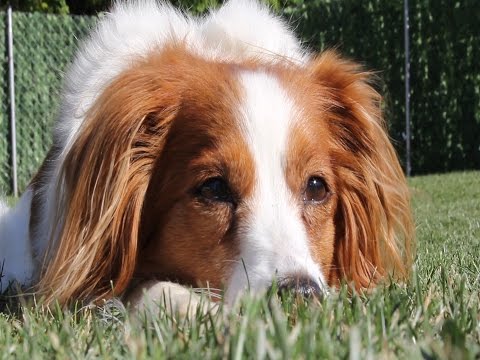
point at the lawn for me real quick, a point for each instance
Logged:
(436, 315)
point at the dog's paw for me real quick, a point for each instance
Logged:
(151, 297)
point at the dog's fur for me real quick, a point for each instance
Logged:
(209, 152)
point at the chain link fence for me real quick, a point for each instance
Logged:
(43, 45)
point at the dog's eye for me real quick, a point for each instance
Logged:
(215, 189)
(316, 190)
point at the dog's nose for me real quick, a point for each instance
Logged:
(299, 285)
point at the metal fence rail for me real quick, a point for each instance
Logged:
(11, 85)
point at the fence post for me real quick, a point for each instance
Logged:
(406, 28)
(11, 83)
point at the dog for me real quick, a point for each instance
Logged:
(212, 152)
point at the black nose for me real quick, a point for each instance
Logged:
(300, 286)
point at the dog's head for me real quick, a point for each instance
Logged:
(232, 175)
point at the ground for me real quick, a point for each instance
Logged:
(436, 315)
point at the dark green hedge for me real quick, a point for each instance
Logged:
(445, 72)
(445, 68)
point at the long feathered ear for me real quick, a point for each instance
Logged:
(375, 231)
(104, 179)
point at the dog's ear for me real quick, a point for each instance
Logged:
(374, 227)
(104, 179)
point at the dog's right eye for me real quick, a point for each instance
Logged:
(215, 189)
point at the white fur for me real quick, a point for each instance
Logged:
(274, 241)
(15, 252)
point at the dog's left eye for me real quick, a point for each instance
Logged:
(215, 189)
(316, 190)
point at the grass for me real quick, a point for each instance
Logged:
(435, 316)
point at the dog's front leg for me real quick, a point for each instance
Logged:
(153, 297)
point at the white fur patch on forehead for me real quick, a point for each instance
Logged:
(267, 114)
(274, 241)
